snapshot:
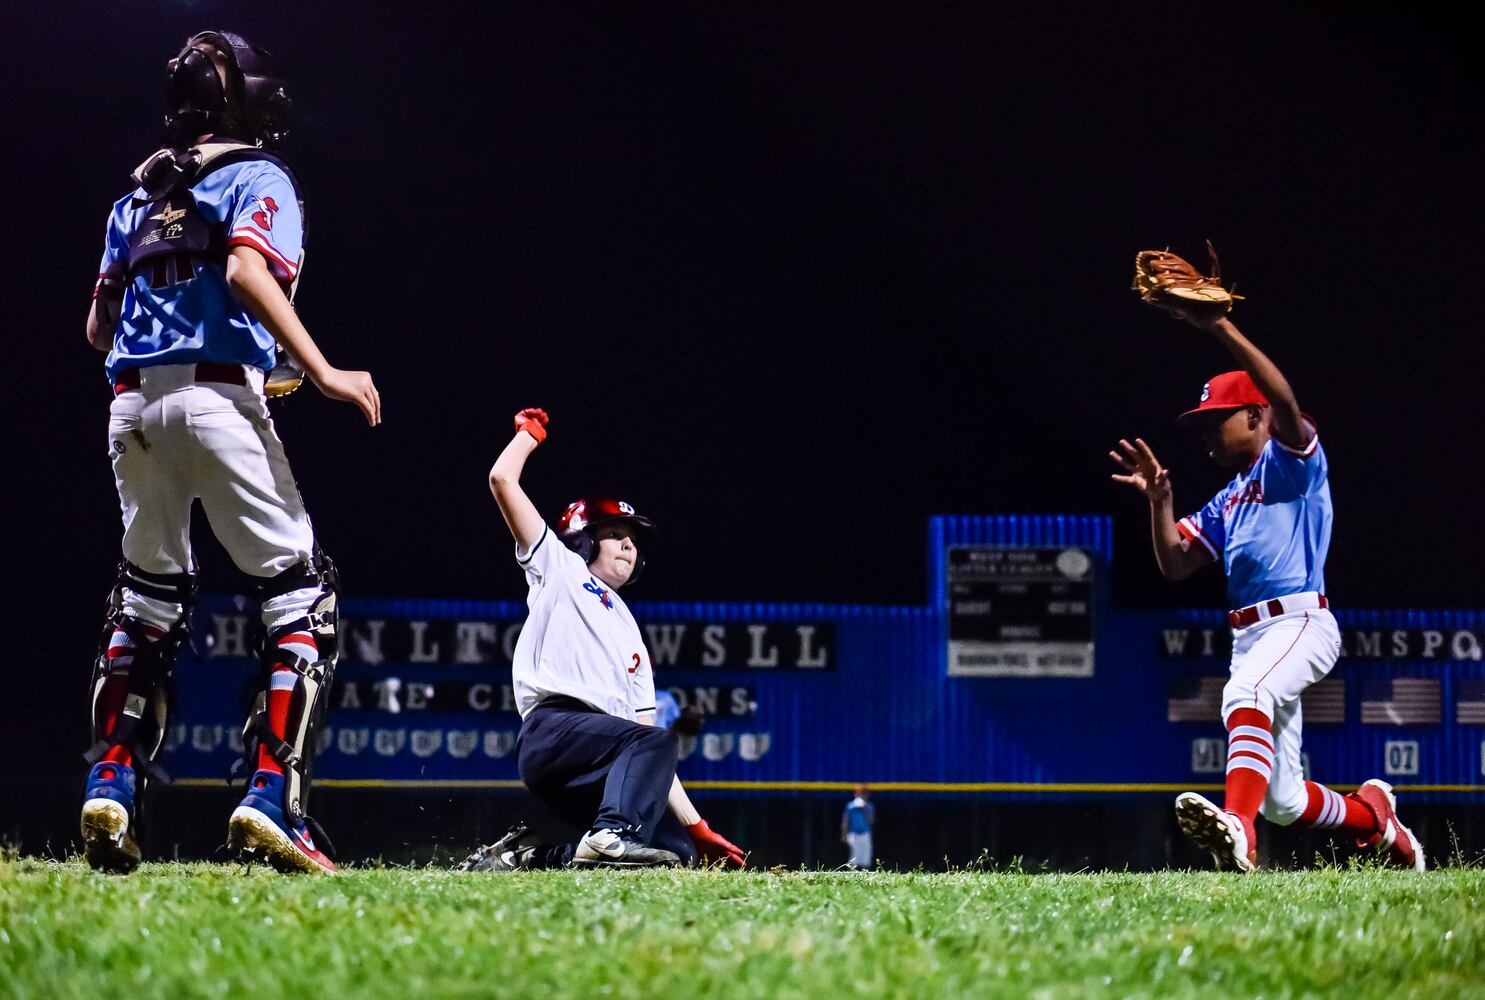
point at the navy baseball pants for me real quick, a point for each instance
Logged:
(597, 771)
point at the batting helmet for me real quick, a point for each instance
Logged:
(582, 517)
(253, 106)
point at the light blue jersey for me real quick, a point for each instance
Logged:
(859, 816)
(1271, 525)
(177, 308)
(667, 710)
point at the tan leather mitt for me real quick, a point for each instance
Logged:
(1170, 282)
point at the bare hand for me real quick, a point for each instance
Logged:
(353, 387)
(1144, 471)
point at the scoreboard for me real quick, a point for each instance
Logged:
(1019, 612)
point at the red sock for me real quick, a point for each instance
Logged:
(300, 645)
(110, 704)
(115, 690)
(1328, 809)
(1250, 761)
(280, 691)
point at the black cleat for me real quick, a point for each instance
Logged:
(509, 853)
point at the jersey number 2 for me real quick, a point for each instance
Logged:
(636, 663)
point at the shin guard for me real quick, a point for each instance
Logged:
(133, 673)
(298, 659)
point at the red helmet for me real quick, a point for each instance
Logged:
(575, 527)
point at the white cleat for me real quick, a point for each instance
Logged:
(1221, 832)
(611, 849)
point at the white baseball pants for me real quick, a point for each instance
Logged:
(1273, 661)
(175, 440)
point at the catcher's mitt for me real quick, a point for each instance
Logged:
(1170, 282)
(285, 377)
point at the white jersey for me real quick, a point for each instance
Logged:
(579, 639)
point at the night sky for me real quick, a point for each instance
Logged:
(790, 280)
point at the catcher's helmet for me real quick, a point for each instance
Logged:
(253, 107)
(576, 526)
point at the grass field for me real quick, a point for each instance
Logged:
(202, 930)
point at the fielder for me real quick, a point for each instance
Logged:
(1270, 527)
(589, 746)
(856, 822)
(193, 298)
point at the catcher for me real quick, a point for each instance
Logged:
(193, 298)
(1270, 528)
(589, 747)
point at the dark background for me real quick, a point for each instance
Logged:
(789, 278)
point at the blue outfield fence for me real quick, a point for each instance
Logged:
(1056, 692)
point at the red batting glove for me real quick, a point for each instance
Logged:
(713, 847)
(534, 422)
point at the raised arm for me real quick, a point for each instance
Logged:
(1288, 424)
(1177, 557)
(521, 516)
(256, 287)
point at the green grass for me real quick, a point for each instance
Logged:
(202, 930)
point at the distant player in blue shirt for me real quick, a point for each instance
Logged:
(667, 709)
(856, 824)
(670, 715)
(1270, 529)
(194, 306)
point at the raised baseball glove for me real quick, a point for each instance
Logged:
(1170, 282)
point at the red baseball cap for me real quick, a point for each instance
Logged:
(1228, 391)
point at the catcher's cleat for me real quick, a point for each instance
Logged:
(1392, 839)
(259, 831)
(613, 849)
(510, 853)
(1227, 835)
(108, 819)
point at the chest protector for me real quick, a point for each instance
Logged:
(174, 225)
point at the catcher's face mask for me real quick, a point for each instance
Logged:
(244, 98)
